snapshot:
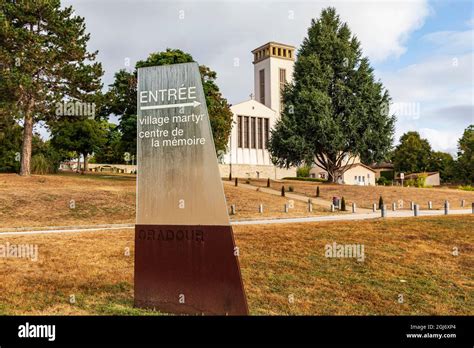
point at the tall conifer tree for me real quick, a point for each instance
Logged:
(334, 110)
(44, 60)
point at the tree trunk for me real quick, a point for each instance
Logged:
(78, 167)
(86, 163)
(25, 168)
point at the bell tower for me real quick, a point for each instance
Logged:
(273, 67)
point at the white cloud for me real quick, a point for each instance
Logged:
(384, 26)
(441, 140)
(451, 41)
(439, 94)
(217, 32)
(441, 79)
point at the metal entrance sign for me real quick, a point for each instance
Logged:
(185, 255)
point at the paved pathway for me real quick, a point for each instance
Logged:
(351, 217)
(336, 217)
(291, 195)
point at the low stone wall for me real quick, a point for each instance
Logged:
(256, 171)
(114, 168)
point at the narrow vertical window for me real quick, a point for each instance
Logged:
(246, 132)
(254, 132)
(282, 86)
(262, 85)
(260, 132)
(239, 131)
(267, 132)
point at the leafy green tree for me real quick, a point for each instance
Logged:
(122, 99)
(109, 151)
(44, 60)
(10, 144)
(220, 115)
(50, 155)
(465, 162)
(334, 110)
(443, 163)
(81, 136)
(413, 154)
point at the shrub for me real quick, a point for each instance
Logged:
(409, 182)
(303, 172)
(343, 204)
(420, 181)
(383, 181)
(388, 174)
(41, 165)
(283, 191)
(466, 188)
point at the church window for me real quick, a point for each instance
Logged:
(254, 133)
(260, 132)
(267, 131)
(246, 132)
(262, 85)
(239, 131)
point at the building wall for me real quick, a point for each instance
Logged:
(361, 172)
(272, 68)
(251, 156)
(265, 65)
(256, 162)
(433, 180)
(98, 167)
(256, 171)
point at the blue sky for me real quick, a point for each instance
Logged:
(421, 50)
(435, 74)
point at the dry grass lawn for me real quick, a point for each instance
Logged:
(64, 200)
(247, 202)
(71, 199)
(365, 196)
(409, 257)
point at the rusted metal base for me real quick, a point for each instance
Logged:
(188, 270)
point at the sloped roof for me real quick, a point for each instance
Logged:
(250, 103)
(382, 165)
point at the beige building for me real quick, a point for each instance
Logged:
(432, 178)
(357, 174)
(248, 154)
(353, 172)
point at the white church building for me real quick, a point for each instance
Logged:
(248, 155)
(253, 119)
